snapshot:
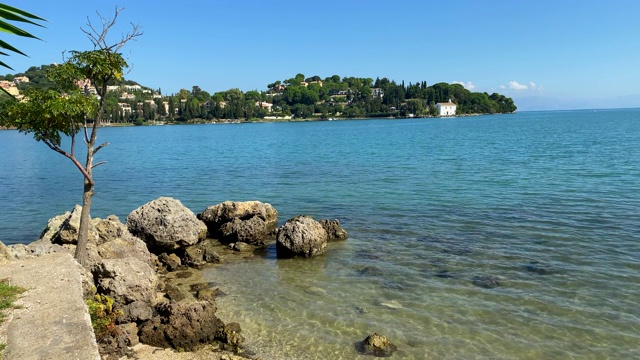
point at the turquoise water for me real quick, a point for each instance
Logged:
(429, 206)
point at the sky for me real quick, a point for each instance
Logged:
(546, 55)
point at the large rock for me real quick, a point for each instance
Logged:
(376, 345)
(6, 255)
(114, 241)
(252, 231)
(64, 229)
(131, 283)
(250, 221)
(166, 224)
(335, 232)
(185, 325)
(301, 236)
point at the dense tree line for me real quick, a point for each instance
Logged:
(299, 97)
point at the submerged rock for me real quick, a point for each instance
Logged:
(376, 345)
(446, 274)
(301, 236)
(540, 268)
(392, 304)
(487, 281)
(166, 225)
(370, 271)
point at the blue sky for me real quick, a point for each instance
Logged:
(561, 54)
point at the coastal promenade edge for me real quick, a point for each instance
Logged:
(51, 321)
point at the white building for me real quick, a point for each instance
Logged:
(446, 109)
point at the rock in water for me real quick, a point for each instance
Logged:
(249, 221)
(540, 268)
(376, 345)
(487, 281)
(166, 224)
(187, 325)
(301, 236)
(393, 304)
(335, 232)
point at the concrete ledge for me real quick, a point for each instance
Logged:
(53, 322)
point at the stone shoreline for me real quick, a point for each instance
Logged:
(150, 269)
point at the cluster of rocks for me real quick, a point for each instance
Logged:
(128, 263)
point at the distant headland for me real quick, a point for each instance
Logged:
(297, 98)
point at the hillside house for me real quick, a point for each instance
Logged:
(446, 109)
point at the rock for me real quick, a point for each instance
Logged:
(185, 325)
(252, 231)
(69, 229)
(63, 229)
(113, 240)
(206, 294)
(193, 256)
(209, 254)
(335, 232)
(241, 247)
(38, 248)
(301, 236)
(130, 331)
(361, 310)
(540, 268)
(446, 274)
(131, 283)
(171, 261)
(6, 254)
(314, 290)
(393, 304)
(176, 293)
(166, 224)
(370, 271)
(54, 224)
(200, 254)
(487, 281)
(376, 345)
(250, 221)
(230, 334)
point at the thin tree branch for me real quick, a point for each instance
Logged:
(98, 37)
(72, 158)
(100, 147)
(86, 134)
(98, 164)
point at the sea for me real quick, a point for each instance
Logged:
(491, 237)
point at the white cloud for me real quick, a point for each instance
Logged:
(514, 85)
(468, 85)
(533, 86)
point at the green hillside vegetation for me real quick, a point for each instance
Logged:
(298, 97)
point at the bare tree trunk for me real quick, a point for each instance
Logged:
(85, 221)
(85, 215)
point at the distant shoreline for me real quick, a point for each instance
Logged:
(282, 120)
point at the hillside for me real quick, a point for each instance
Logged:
(299, 97)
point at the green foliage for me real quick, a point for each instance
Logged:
(48, 114)
(103, 316)
(8, 295)
(9, 13)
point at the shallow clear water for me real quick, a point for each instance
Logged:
(429, 205)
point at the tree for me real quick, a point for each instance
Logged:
(49, 114)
